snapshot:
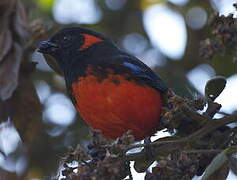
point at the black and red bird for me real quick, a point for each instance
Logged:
(112, 90)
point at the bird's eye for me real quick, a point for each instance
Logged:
(66, 38)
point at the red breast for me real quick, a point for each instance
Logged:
(115, 105)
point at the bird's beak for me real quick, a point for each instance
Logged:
(47, 47)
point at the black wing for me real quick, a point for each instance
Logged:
(122, 64)
(139, 71)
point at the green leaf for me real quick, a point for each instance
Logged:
(142, 165)
(219, 167)
(214, 87)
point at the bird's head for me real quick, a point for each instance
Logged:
(71, 43)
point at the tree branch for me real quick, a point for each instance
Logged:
(165, 147)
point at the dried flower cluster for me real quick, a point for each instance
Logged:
(224, 41)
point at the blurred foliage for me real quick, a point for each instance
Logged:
(146, 3)
(47, 150)
(45, 5)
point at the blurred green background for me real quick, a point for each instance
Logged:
(163, 34)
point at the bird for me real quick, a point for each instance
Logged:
(113, 91)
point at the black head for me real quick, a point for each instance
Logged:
(71, 43)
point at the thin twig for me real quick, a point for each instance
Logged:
(204, 151)
(223, 113)
(170, 145)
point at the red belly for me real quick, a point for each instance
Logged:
(115, 105)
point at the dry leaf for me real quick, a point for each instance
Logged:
(13, 34)
(9, 71)
(5, 43)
